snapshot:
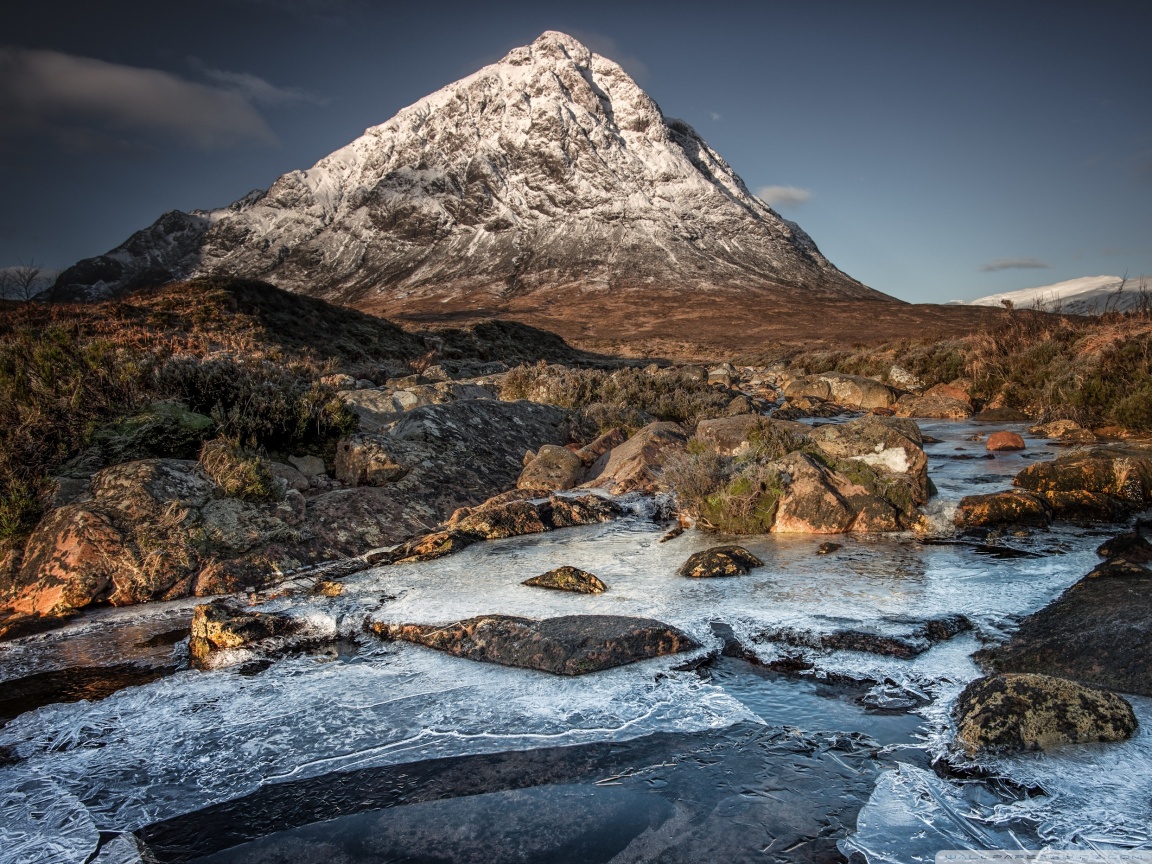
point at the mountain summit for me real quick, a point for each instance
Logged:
(548, 171)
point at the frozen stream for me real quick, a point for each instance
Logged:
(391, 752)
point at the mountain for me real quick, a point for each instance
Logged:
(1088, 295)
(546, 175)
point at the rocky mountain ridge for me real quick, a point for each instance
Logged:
(548, 171)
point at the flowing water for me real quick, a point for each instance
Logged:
(357, 750)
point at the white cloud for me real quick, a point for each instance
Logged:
(783, 196)
(714, 115)
(1013, 264)
(81, 101)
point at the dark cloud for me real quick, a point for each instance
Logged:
(1013, 264)
(82, 102)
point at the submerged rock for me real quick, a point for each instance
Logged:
(904, 646)
(1007, 713)
(568, 645)
(1098, 632)
(568, 579)
(720, 561)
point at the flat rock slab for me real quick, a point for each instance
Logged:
(1098, 632)
(568, 645)
(568, 579)
(720, 561)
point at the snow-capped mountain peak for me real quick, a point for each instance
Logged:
(549, 169)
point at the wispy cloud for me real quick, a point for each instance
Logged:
(256, 90)
(1013, 264)
(715, 116)
(82, 102)
(783, 196)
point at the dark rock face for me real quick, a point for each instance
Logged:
(1006, 713)
(568, 579)
(720, 561)
(1096, 485)
(1098, 632)
(1013, 507)
(218, 626)
(569, 645)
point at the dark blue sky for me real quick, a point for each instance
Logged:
(934, 151)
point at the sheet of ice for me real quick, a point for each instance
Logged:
(192, 739)
(41, 822)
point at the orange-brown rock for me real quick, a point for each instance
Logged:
(720, 561)
(1095, 485)
(569, 645)
(1013, 507)
(934, 406)
(1004, 440)
(552, 467)
(634, 466)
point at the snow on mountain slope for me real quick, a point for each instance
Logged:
(548, 169)
(1088, 295)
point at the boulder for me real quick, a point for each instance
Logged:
(1098, 632)
(891, 446)
(1093, 485)
(289, 476)
(814, 501)
(857, 390)
(219, 627)
(956, 390)
(568, 579)
(904, 379)
(808, 387)
(365, 459)
(568, 511)
(1010, 713)
(933, 406)
(1056, 428)
(731, 436)
(569, 645)
(1013, 507)
(375, 408)
(552, 467)
(720, 561)
(1004, 440)
(634, 466)
(589, 453)
(309, 466)
(508, 519)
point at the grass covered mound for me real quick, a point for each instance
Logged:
(1094, 370)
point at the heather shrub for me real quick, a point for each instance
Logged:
(632, 393)
(238, 472)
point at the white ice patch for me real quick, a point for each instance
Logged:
(893, 459)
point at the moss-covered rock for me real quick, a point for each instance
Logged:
(568, 578)
(720, 561)
(1006, 713)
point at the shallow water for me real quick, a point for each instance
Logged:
(370, 751)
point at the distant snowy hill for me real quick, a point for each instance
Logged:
(1088, 295)
(549, 171)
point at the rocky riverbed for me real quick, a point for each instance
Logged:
(805, 706)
